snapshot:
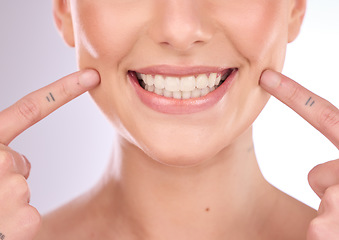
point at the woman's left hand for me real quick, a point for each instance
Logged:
(324, 178)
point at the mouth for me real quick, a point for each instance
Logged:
(171, 90)
(184, 87)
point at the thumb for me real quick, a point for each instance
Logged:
(13, 161)
(324, 176)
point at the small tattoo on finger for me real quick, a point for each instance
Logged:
(2, 237)
(309, 102)
(49, 100)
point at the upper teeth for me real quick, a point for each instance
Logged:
(185, 84)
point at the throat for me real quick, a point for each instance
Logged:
(202, 202)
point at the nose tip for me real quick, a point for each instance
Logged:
(181, 26)
(184, 37)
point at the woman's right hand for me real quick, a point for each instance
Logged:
(18, 219)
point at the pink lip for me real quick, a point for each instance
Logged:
(180, 106)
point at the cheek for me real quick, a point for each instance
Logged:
(258, 30)
(105, 32)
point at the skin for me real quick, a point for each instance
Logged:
(177, 180)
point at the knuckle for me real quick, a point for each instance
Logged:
(329, 117)
(28, 110)
(30, 218)
(317, 229)
(65, 90)
(19, 186)
(331, 196)
(6, 160)
(294, 93)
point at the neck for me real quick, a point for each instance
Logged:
(210, 201)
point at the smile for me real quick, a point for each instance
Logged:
(182, 87)
(174, 90)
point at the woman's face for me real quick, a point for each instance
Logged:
(187, 40)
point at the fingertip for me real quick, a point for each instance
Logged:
(89, 78)
(270, 79)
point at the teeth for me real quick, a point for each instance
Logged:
(202, 81)
(150, 88)
(211, 79)
(149, 80)
(159, 91)
(187, 83)
(159, 82)
(196, 93)
(168, 94)
(180, 87)
(217, 80)
(205, 91)
(180, 94)
(177, 95)
(186, 95)
(172, 84)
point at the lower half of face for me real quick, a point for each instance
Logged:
(180, 82)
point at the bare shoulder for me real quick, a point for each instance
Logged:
(70, 221)
(88, 217)
(291, 217)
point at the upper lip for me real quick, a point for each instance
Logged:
(169, 70)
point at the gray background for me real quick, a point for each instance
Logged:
(69, 149)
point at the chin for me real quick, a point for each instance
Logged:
(181, 155)
(181, 160)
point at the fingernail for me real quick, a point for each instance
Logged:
(28, 166)
(270, 79)
(89, 78)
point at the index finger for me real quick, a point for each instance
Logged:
(320, 113)
(39, 104)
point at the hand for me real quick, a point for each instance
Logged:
(324, 178)
(18, 219)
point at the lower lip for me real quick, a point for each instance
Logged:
(181, 106)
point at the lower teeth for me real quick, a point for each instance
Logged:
(196, 93)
